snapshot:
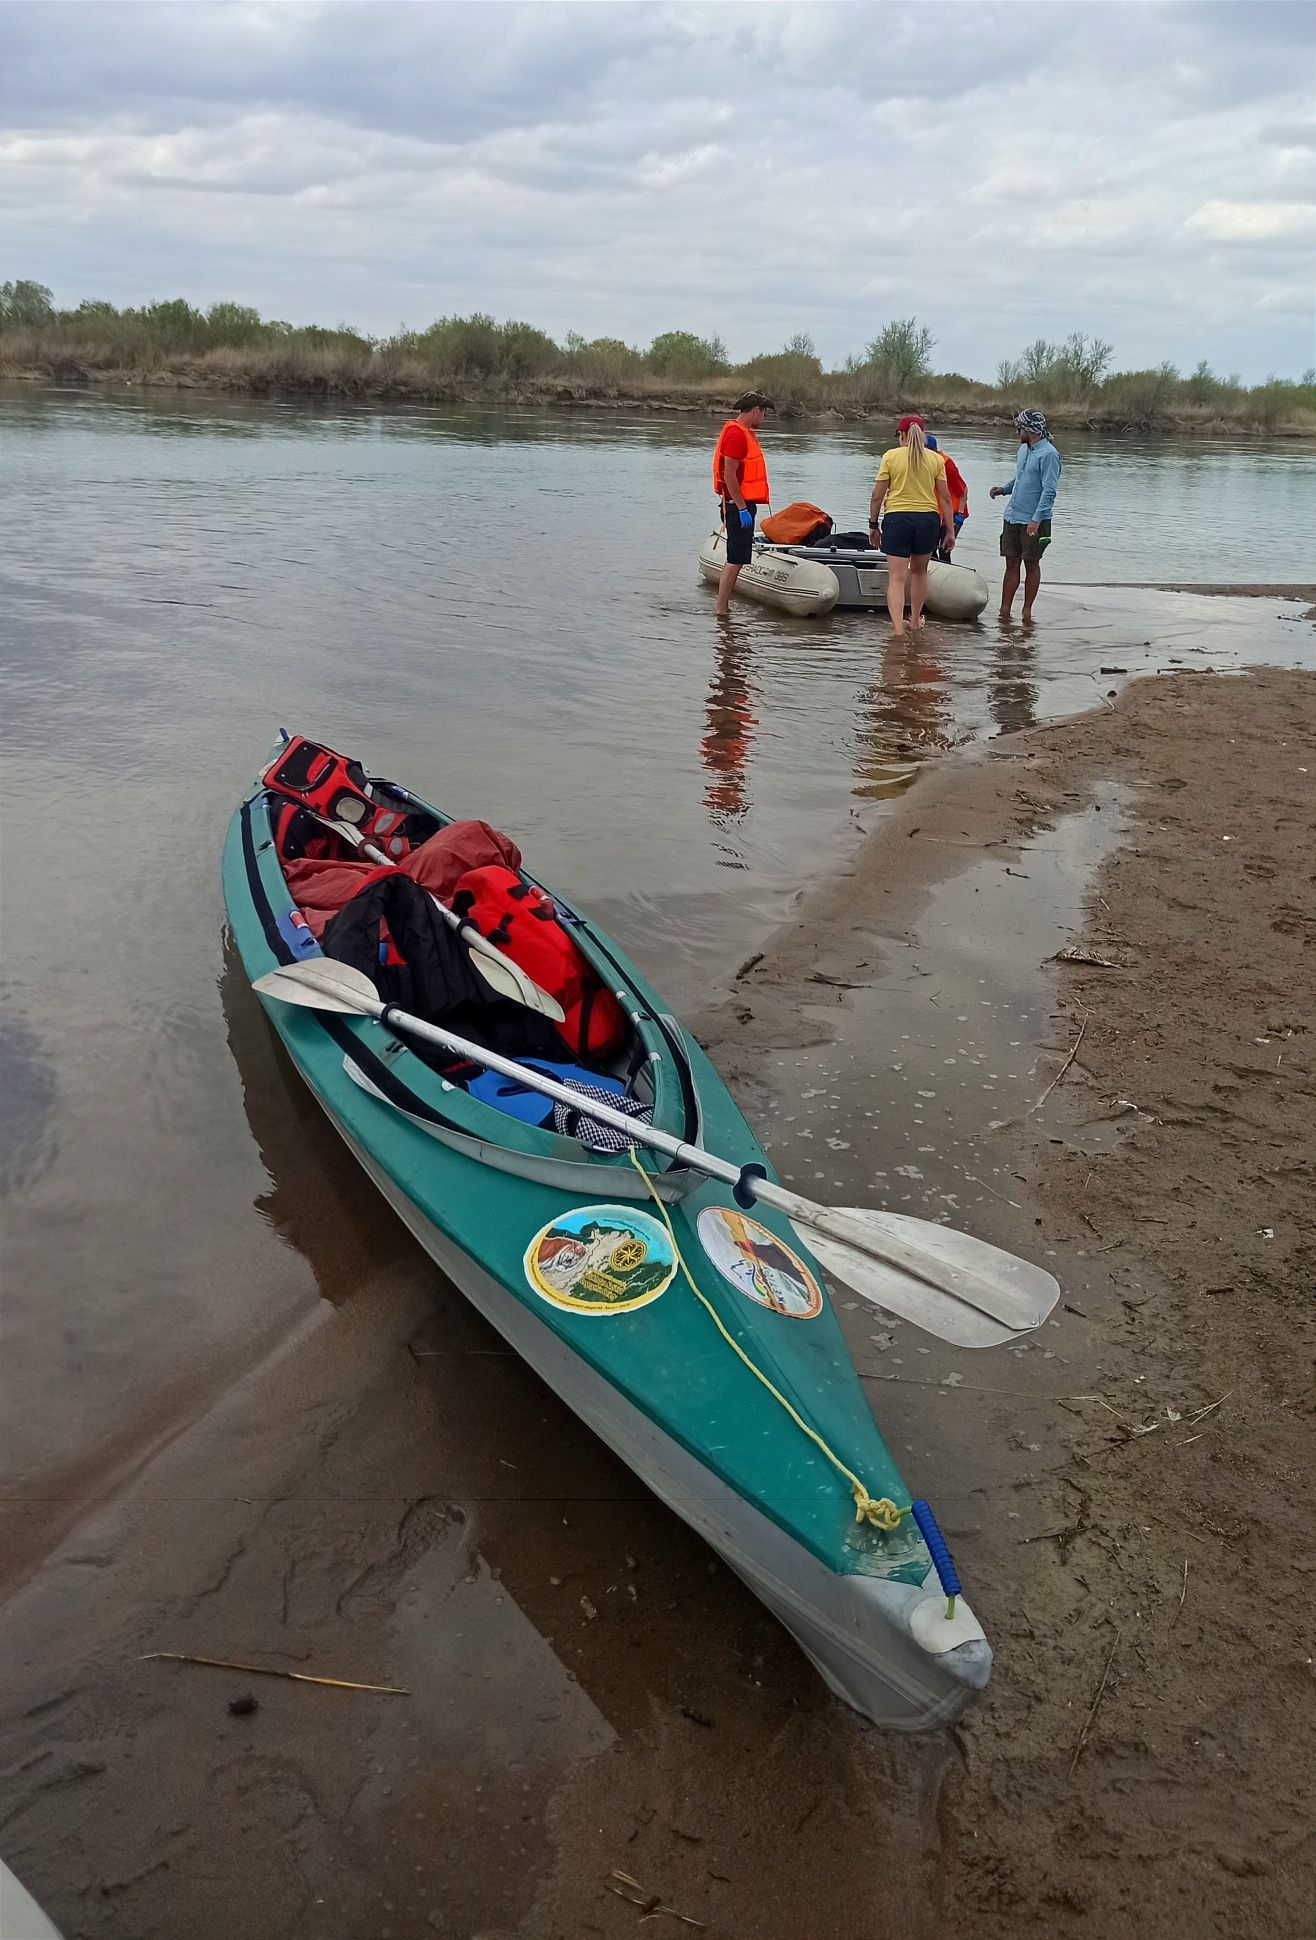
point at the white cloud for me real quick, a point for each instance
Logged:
(1253, 221)
(1142, 171)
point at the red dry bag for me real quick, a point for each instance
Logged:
(520, 920)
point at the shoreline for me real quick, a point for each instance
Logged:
(339, 1510)
(675, 400)
(1222, 589)
(1160, 1550)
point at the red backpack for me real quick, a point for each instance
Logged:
(521, 921)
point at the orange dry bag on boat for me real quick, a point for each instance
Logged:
(520, 921)
(800, 524)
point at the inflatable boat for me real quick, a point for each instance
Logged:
(954, 592)
(811, 580)
(775, 578)
(661, 1290)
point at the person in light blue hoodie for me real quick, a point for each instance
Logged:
(1026, 533)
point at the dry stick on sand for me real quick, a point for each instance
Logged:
(650, 1904)
(1073, 1053)
(1087, 1722)
(270, 1670)
(1182, 1594)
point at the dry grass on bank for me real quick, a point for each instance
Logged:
(340, 364)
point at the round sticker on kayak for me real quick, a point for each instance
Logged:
(758, 1264)
(600, 1260)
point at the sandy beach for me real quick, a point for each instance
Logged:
(593, 1712)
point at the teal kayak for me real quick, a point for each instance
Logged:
(20, 1916)
(692, 1332)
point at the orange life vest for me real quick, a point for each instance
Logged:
(335, 787)
(753, 469)
(520, 920)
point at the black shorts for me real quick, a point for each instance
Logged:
(740, 538)
(905, 534)
(1018, 543)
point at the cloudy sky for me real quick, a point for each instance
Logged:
(1145, 171)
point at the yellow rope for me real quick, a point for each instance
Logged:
(878, 1510)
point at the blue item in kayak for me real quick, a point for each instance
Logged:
(511, 1096)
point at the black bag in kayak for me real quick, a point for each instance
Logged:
(428, 970)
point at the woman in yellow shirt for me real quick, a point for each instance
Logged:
(911, 481)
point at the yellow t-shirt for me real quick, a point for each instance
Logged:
(906, 492)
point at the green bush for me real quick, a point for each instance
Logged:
(793, 377)
(1144, 398)
(603, 361)
(896, 359)
(25, 304)
(682, 355)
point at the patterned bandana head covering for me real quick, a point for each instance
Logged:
(1032, 422)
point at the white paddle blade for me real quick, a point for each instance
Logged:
(321, 983)
(504, 976)
(1022, 1294)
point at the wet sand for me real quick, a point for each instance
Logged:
(589, 1693)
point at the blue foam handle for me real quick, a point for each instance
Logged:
(937, 1550)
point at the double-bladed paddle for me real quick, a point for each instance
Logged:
(963, 1289)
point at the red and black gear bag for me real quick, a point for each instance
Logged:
(335, 787)
(520, 920)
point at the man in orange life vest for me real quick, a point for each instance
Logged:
(740, 479)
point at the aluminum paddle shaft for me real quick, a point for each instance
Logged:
(980, 1295)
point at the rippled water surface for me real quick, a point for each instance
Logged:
(501, 609)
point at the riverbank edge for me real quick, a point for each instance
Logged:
(188, 374)
(1151, 1616)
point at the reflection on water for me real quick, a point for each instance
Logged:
(317, 1199)
(1012, 684)
(502, 608)
(726, 744)
(27, 1087)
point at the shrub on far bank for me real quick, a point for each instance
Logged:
(603, 362)
(792, 377)
(680, 354)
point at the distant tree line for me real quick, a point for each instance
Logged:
(233, 345)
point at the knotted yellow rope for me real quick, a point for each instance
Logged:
(879, 1510)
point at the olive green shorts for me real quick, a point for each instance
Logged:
(1017, 542)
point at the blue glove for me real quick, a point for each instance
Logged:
(746, 516)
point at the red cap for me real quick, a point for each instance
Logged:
(905, 423)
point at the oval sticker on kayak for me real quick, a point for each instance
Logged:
(600, 1260)
(758, 1264)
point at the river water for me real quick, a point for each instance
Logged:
(501, 608)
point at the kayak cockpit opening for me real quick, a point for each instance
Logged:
(441, 918)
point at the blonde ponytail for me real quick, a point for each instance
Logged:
(915, 447)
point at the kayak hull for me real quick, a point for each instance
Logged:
(799, 586)
(859, 1632)
(954, 592)
(20, 1916)
(541, 1235)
